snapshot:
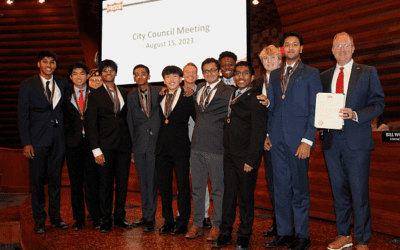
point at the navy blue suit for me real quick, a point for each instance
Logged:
(37, 124)
(348, 152)
(290, 120)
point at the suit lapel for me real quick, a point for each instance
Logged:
(196, 104)
(329, 80)
(296, 74)
(355, 70)
(39, 86)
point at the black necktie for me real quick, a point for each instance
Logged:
(48, 92)
(289, 68)
(238, 93)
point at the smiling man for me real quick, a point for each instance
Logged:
(110, 142)
(348, 152)
(244, 135)
(292, 93)
(227, 61)
(41, 128)
(80, 160)
(173, 150)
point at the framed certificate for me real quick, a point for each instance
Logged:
(327, 111)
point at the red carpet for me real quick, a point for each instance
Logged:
(321, 232)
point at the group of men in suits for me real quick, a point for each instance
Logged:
(234, 120)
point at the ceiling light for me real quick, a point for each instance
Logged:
(255, 2)
(42, 1)
(10, 1)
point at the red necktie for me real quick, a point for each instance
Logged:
(339, 82)
(80, 100)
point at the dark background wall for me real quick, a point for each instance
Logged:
(71, 29)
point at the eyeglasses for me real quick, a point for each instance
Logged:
(207, 71)
(108, 70)
(244, 73)
(344, 46)
(96, 79)
(140, 74)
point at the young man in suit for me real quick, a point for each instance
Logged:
(244, 136)
(227, 61)
(292, 93)
(110, 142)
(211, 103)
(271, 59)
(80, 160)
(41, 128)
(348, 151)
(173, 150)
(144, 124)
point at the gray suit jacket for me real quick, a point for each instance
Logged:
(143, 130)
(208, 129)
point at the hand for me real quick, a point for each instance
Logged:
(163, 91)
(267, 144)
(303, 152)
(28, 152)
(264, 101)
(247, 168)
(132, 158)
(188, 92)
(347, 113)
(100, 160)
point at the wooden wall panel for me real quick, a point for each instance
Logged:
(374, 25)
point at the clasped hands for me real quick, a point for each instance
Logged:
(347, 113)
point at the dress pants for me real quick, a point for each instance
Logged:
(47, 159)
(291, 190)
(349, 175)
(82, 170)
(164, 166)
(236, 179)
(146, 169)
(117, 164)
(202, 164)
(269, 176)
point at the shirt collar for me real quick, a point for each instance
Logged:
(213, 84)
(44, 80)
(346, 67)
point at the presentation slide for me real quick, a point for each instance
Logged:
(158, 33)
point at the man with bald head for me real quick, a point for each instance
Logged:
(348, 151)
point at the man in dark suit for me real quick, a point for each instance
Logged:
(244, 135)
(211, 102)
(227, 60)
(173, 150)
(271, 59)
(110, 142)
(80, 160)
(348, 151)
(144, 123)
(292, 93)
(41, 128)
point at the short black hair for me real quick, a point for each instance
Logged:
(245, 64)
(210, 60)
(292, 33)
(78, 65)
(108, 63)
(227, 54)
(141, 66)
(47, 53)
(172, 69)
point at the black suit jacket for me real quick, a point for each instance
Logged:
(173, 138)
(244, 136)
(73, 121)
(36, 116)
(106, 130)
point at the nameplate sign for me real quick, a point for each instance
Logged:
(391, 136)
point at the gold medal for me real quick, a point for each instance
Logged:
(166, 121)
(283, 96)
(82, 118)
(228, 120)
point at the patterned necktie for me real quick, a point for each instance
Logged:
(289, 68)
(80, 100)
(238, 93)
(144, 96)
(48, 92)
(203, 99)
(340, 82)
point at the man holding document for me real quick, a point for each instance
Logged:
(348, 151)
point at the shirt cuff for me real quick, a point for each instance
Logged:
(97, 152)
(268, 104)
(307, 141)
(355, 119)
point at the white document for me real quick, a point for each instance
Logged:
(327, 111)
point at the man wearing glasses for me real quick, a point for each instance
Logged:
(211, 103)
(108, 136)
